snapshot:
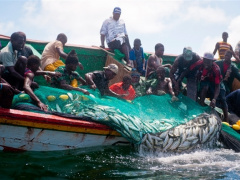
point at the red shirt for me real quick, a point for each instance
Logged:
(212, 75)
(225, 67)
(117, 88)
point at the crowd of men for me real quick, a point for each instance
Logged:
(206, 77)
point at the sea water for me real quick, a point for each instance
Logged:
(120, 163)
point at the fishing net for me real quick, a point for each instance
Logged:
(133, 119)
(230, 138)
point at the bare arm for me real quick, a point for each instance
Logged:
(102, 40)
(216, 93)
(173, 70)
(61, 53)
(216, 48)
(27, 88)
(234, 55)
(66, 86)
(89, 80)
(170, 86)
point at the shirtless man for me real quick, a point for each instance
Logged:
(163, 85)
(32, 70)
(155, 60)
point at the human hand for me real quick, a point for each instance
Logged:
(161, 92)
(93, 86)
(80, 66)
(174, 98)
(213, 103)
(42, 106)
(149, 91)
(57, 74)
(85, 92)
(47, 78)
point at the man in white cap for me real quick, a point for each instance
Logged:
(210, 79)
(100, 79)
(114, 31)
(180, 69)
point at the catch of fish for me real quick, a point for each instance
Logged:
(201, 131)
(156, 135)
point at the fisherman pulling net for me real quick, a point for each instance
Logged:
(153, 121)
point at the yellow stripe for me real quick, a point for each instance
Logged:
(59, 127)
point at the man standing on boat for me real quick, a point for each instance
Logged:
(137, 57)
(223, 46)
(52, 53)
(115, 33)
(210, 81)
(155, 60)
(229, 71)
(180, 69)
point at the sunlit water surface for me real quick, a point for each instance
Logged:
(120, 163)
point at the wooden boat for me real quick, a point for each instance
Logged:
(28, 131)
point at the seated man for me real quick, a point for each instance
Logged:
(14, 67)
(6, 92)
(138, 85)
(210, 80)
(155, 60)
(32, 70)
(52, 52)
(25, 51)
(69, 75)
(114, 30)
(161, 85)
(137, 57)
(124, 88)
(233, 102)
(229, 71)
(100, 79)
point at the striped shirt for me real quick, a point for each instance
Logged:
(223, 47)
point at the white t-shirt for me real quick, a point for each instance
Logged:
(113, 29)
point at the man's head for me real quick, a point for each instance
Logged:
(208, 59)
(116, 13)
(160, 73)
(228, 56)
(111, 71)
(135, 77)
(137, 44)
(126, 82)
(224, 36)
(33, 63)
(17, 41)
(187, 53)
(63, 38)
(159, 49)
(71, 61)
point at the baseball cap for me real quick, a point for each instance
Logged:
(187, 53)
(208, 55)
(112, 67)
(117, 10)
